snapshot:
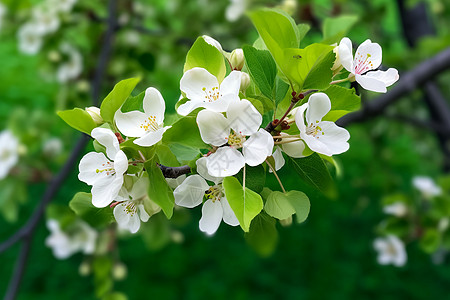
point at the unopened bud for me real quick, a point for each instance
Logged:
(95, 114)
(119, 271)
(286, 222)
(337, 66)
(237, 59)
(245, 81)
(212, 42)
(289, 6)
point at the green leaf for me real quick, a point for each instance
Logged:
(134, 103)
(280, 90)
(263, 235)
(204, 55)
(115, 296)
(313, 171)
(334, 29)
(255, 177)
(278, 206)
(185, 131)
(431, 240)
(78, 119)
(245, 203)
(81, 204)
(309, 68)
(184, 153)
(166, 157)
(159, 191)
(343, 101)
(263, 69)
(116, 98)
(300, 202)
(303, 29)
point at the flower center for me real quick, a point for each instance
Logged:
(212, 95)
(5, 154)
(214, 193)
(130, 208)
(390, 249)
(150, 124)
(363, 64)
(108, 168)
(236, 139)
(314, 130)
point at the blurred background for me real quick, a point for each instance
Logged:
(64, 64)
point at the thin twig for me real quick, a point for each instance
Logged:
(276, 175)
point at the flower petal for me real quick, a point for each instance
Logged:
(108, 139)
(229, 216)
(190, 193)
(214, 127)
(345, 53)
(151, 137)
(334, 137)
(278, 158)
(243, 117)
(120, 163)
(257, 148)
(130, 123)
(371, 83)
(226, 161)
(388, 77)
(212, 214)
(134, 224)
(106, 190)
(212, 42)
(293, 149)
(300, 117)
(203, 171)
(367, 57)
(186, 108)
(142, 213)
(89, 165)
(221, 104)
(154, 104)
(231, 84)
(319, 106)
(121, 215)
(194, 81)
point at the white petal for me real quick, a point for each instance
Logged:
(231, 84)
(300, 117)
(139, 189)
(214, 127)
(203, 171)
(371, 83)
(134, 224)
(186, 108)
(130, 123)
(106, 190)
(367, 57)
(278, 158)
(108, 139)
(154, 104)
(120, 163)
(212, 42)
(319, 106)
(334, 137)
(346, 54)
(151, 137)
(90, 164)
(194, 81)
(222, 104)
(226, 161)
(212, 214)
(388, 77)
(257, 148)
(243, 117)
(190, 193)
(229, 216)
(142, 213)
(121, 215)
(175, 182)
(293, 149)
(315, 145)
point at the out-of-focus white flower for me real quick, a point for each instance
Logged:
(52, 147)
(398, 209)
(72, 68)
(289, 6)
(391, 250)
(62, 5)
(45, 19)
(9, 152)
(426, 186)
(235, 10)
(3, 11)
(30, 39)
(443, 224)
(78, 237)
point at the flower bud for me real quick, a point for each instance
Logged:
(84, 269)
(119, 271)
(237, 59)
(286, 222)
(95, 114)
(212, 42)
(54, 56)
(289, 6)
(245, 81)
(337, 66)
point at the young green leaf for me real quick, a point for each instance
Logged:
(343, 101)
(263, 235)
(81, 204)
(334, 29)
(300, 202)
(78, 119)
(245, 203)
(281, 89)
(134, 103)
(159, 191)
(255, 178)
(278, 206)
(185, 131)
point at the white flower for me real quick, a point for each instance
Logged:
(203, 90)
(63, 5)
(398, 209)
(3, 11)
(175, 182)
(426, 186)
(105, 174)
(235, 10)
(367, 58)
(391, 250)
(30, 39)
(52, 147)
(94, 112)
(238, 130)
(78, 237)
(323, 137)
(45, 19)
(73, 67)
(130, 212)
(9, 152)
(292, 146)
(147, 126)
(191, 192)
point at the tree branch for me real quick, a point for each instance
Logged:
(174, 172)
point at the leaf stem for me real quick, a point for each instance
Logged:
(276, 175)
(339, 81)
(286, 142)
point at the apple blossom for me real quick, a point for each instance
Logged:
(9, 152)
(203, 90)
(239, 129)
(235, 10)
(367, 58)
(95, 114)
(278, 158)
(104, 173)
(398, 209)
(391, 250)
(73, 67)
(427, 186)
(30, 39)
(45, 19)
(147, 125)
(323, 137)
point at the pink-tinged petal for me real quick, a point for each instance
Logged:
(334, 137)
(212, 214)
(229, 216)
(90, 166)
(319, 106)
(196, 83)
(226, 161)
(154, 105)
(130, 123)
(108, 139)
(371, 83)
(257, 148)
(190, 193)
(388, 77)
(214, 127)
(367, 57)
(151, 137)
(203, 171)
(243, 117)
(231, 84)
(345, 51)
(300, 117)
